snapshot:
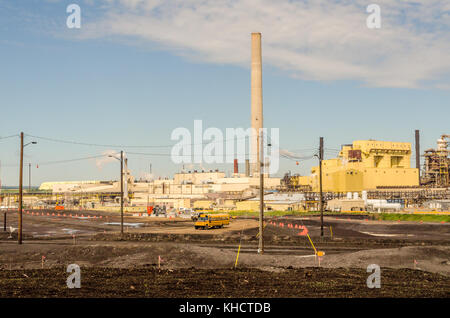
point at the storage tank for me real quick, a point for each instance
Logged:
(381, 204)
(364, 196)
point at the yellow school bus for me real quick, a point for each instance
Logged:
(212, 221)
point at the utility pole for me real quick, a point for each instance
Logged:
(2, 199)
(19, 230)
(417, 144)
(29, 177)
(19, 233)
(261, 193)
(320, 185)
(81, 199)
(121, 192)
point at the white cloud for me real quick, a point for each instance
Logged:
(321, 40)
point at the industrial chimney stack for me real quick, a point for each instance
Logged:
(256, 102)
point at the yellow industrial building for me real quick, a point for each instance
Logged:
(365, 165)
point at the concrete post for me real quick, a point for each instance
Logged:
(256, 102)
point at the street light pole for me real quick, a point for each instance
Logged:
(121, 189)
(2, 199)
(19, 232)
(320, 178)
(261, 194)
(121, 192)
(29, 177)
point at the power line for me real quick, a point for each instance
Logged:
(69, 160)
(333, 149)
(169, 155)
(297, 158)
(128, 146)
(93, 144)
(147, 146)
(7, 137)
(45, 163)
(148, 154)
(142, 154)
(305, 149)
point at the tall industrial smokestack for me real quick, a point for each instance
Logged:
(256, 102)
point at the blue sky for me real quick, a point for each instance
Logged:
(138, 69)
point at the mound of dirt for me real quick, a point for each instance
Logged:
(281, 237)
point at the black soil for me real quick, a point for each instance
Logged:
(243, 282)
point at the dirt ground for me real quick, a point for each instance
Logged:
(414, 257)
(243, 282)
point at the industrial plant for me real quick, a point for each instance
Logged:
(246, 233)
(375, 169)
(381, 169)
(437, 163)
